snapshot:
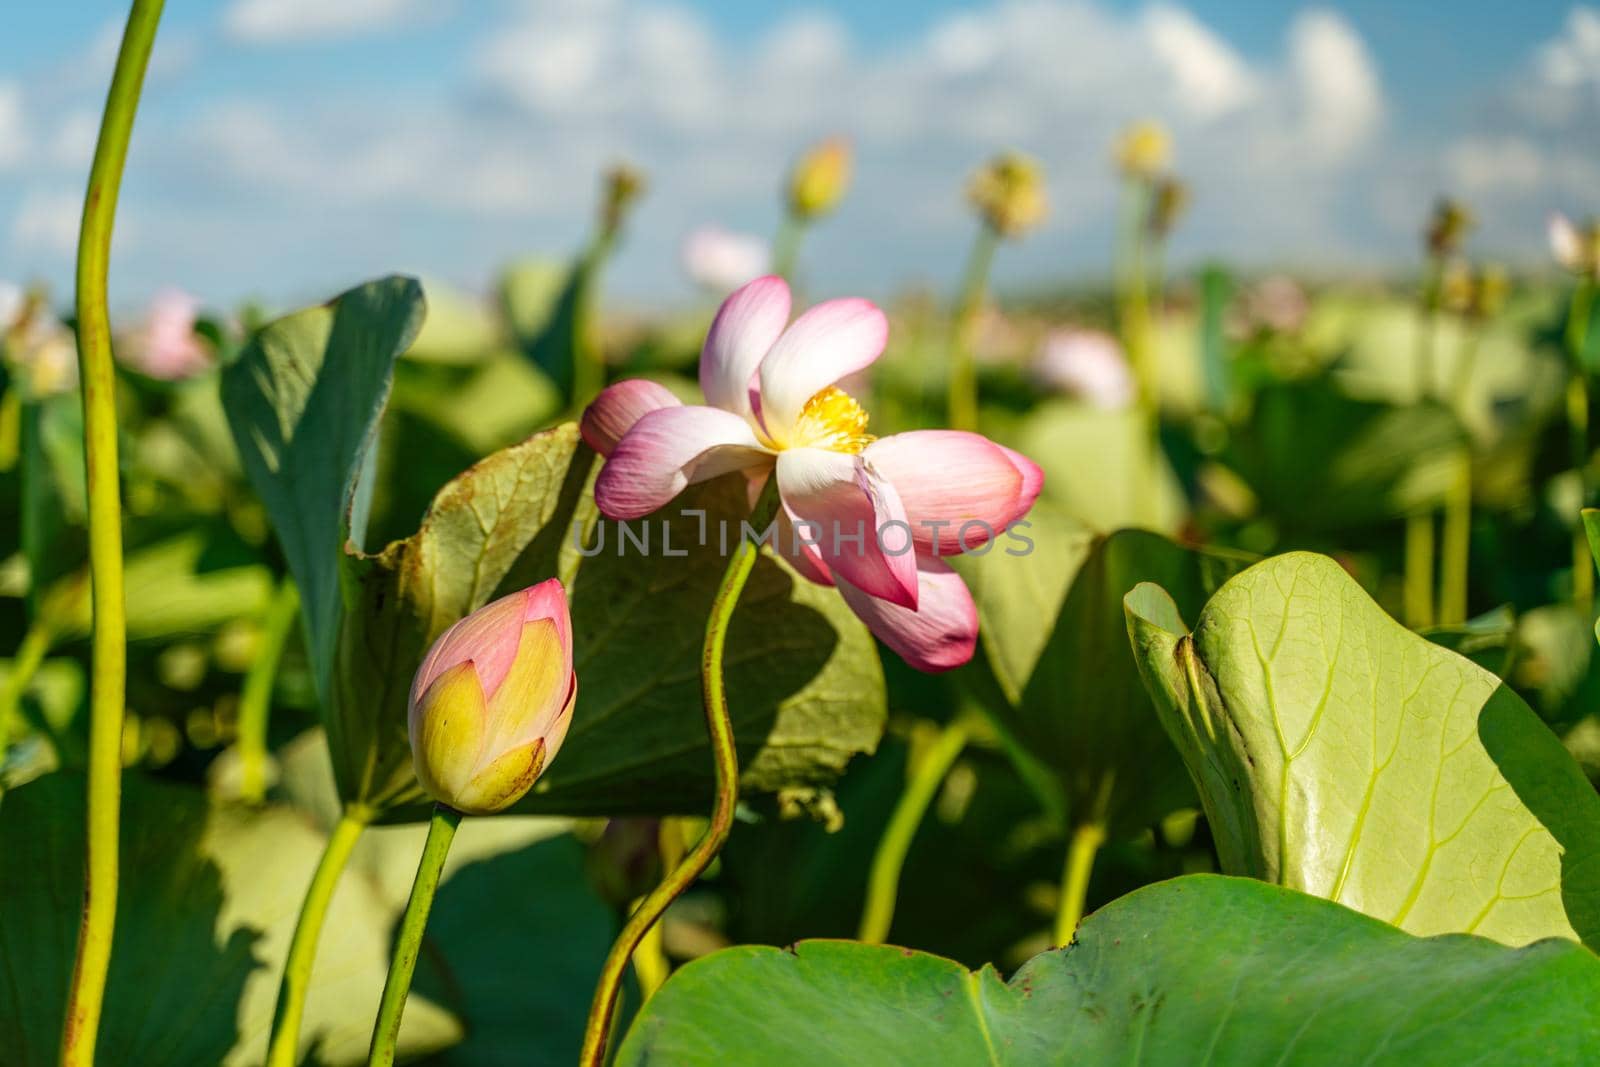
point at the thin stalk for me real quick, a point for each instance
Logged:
(1138, 336)
(1577, 337)
(25, 666)
(650, 964)
(1427, 334)
(922, 783)
(589, 366)
(108, 676)
(408, 942)
(1419, 570)
(286, 1019)
(962, 403)
(1087, 837)
(719, 724)
(786, 246)
(255, 698)
(1456, 548)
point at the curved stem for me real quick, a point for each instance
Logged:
(24, 666)
(883, 883)
(255, 698)
(285, 1041)
(1086, 840)
(408, 942)
(719, 724)
(109, 672)
(962, 402)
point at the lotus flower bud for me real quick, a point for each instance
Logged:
(166, 347)
(1448, 227)
(820, 178)
(492, 701)
(1008, 193)
(1168, 202)
(1576, 248)
(1143, 151)
(623, 185)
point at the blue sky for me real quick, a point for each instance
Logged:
(289, 147)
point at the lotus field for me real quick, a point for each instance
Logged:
(1179, 666)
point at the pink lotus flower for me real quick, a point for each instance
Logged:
(1088, 364)
(870, 516)
(166, 346)
(720, 260)
(491, 703)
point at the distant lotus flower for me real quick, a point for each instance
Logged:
(37, 343)
(1088, 364)
(1576, 249)
(720, 261)
(820, 178)
(1276, 303)
(1008, 192)
(166, 346)
(1143, 150)
(776, 411)
(492, 701)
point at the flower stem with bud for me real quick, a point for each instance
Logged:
(962, 400)
(86, 994)
(719, 724)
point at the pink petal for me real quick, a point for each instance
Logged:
(943, 630)
(548, 600)
(947, 478)
(801, 555)
(843, 498)
(666, 451)
(488, 637)
(618, 407)
(743, 332)
(832, 340)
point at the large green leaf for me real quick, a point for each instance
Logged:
(1320, 460)
(1200, 970)
(1114, 490)
(1338, 753)
(207, 904)
(303, 400)
(803, 676)
(1053, 629)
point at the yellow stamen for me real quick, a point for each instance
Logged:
(833, 420)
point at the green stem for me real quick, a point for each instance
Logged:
(1427, 334)
(962, 403)
(108, 677)
(786, 246)
(1087, 837)
(1419, 570)
(408, 942)
(1138, 338)
(1456, 548)
(255, 698)
(725, 754)
(285, 1041)
(24, 666)
(1577, 337)
(589, 366)
(923, 782)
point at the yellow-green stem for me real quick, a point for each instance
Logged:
(725, 755)
(962, 398)
(1087, 837)
(1419, 570)
(25, 665)
(650, 963)
(108, 677)
(588, 359)
(1456, 548)
(786, 246)
(1577, 336)
(923, 779)
(1138, 338)
(1427, 327)
(255, 698)
(284, 1044)
(408, 941)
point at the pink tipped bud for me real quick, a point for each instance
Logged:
(491, 703)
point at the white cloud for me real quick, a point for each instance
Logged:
(280, 21)
(1342, 94)
(47, 222)
(13, 126)
(1480, 166)
(1210, 76)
